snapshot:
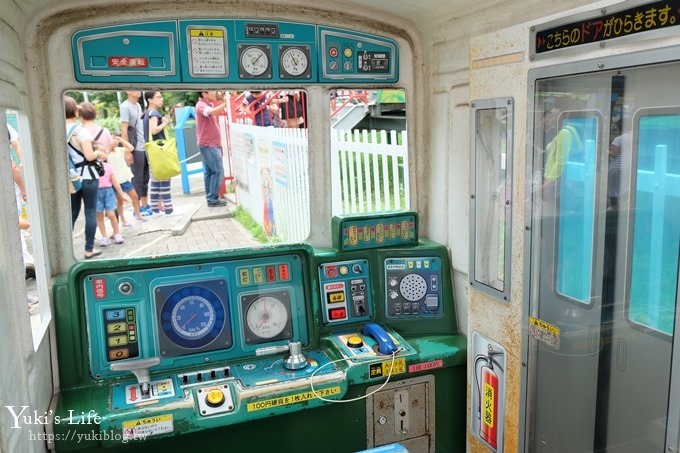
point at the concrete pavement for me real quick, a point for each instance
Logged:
(192, 227)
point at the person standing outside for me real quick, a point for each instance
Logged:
(17, 160)
(106, 205)
(209, 145)
(102, 140)
(82, 154)
(293, 109)
(154, 129)
(259, 104)
(132, 130)
(119, 156)
(20, 192)
(619, 161)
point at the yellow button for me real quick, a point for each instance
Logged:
(355, 342)
(214, 398)
(348, 52)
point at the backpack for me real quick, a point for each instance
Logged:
(95, 167)
(75, 181)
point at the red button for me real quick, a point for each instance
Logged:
(331, 271)
(337, 313)
(284, 272)
(271, 273)
(333, 51)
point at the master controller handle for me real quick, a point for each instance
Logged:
(296, 360)
(140, 368)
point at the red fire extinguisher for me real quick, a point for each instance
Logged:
(488, 388)
(489, 405)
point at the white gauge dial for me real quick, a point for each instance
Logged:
(294, 61)
(254, 61)
(267, 317)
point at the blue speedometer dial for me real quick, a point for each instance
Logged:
(192, 317)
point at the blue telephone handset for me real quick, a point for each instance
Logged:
(385, 343)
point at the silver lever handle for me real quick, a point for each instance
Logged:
(296, 360)
(140, 368)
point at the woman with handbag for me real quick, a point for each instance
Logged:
(84, 157)
(160, 197)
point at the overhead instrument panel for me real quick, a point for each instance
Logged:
(194, 314)
(232, 51)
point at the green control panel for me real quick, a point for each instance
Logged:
(181, 352)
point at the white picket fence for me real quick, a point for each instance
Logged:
(373, 169)
(270, 168)
(271, 178)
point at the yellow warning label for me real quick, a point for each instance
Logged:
(549, 328)
(377, 370)
(544, 332)
(209, 33)
(292, 399)
(148, 421)
(146, 427)
(489, 398)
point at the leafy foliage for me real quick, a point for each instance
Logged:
(107, 104)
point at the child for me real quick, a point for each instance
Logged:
(119, 158)
(106, 205)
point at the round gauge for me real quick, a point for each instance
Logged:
(254, 61)
(192, 317)
(294, 61)
(267, 317)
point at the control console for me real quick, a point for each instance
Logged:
(234, 340)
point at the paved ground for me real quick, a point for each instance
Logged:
(192, 227)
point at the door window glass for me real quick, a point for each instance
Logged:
(656, 228)
(570, 167)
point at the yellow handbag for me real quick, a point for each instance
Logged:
(163, 158)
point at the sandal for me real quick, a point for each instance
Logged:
(92, 254)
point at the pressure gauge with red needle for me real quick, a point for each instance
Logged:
(267, 317)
